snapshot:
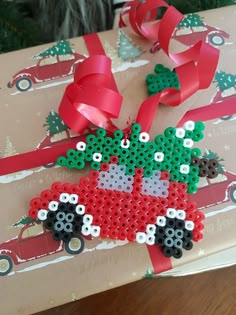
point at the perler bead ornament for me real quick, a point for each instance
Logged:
(137, 190)
(162, 79)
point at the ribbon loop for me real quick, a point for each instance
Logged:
(195, 66)
(92, 97)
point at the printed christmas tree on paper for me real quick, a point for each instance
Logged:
(149, 273)
(212, 155)
(54, 123)
(224, 80)
(23, 221)
(9, 149)
(191, 20)
(126, 48)
(112, 54)
(61, 48)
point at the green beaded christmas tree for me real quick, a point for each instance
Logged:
(166, 153)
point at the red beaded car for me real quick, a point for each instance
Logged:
(127, 211)
(141, 194)
(138, 190)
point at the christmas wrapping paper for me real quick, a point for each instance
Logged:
(31, 87)
(225, 258)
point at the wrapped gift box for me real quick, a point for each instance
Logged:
(32, 85)
(219, 260)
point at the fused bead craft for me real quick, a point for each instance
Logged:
(164, 78)
(207, 167)
(137, 189)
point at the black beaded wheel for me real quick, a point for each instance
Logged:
(173, 237)
(65, 223)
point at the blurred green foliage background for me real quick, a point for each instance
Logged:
(20, 25)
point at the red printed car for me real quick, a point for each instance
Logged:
(215, 191)
(33, 242)
(221, 96)
(190, 35)
(47, 68)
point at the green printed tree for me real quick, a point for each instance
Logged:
(213, 155)
(112, 54)
(61, 48)
(9, 149)
(25, 220)
(126, 48)
(191, 20)
(224, 80)
(149, 273)
(54, 123)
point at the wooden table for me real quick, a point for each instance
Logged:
(209, 293)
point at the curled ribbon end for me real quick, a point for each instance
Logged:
(92, 98)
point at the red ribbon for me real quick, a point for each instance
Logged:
(92, 97)
(160, 263)
(210, 112)
(195, 66)
(39, 157)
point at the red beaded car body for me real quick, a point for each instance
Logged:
(137, 190)
(121, 214)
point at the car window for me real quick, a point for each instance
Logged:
(218, 179)
(66, 57)
(32, 231)
(199, 28)
(115, 179)
(228, 92)
(155, 186)
(183, 31)
(48, 61)
(202, 182)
